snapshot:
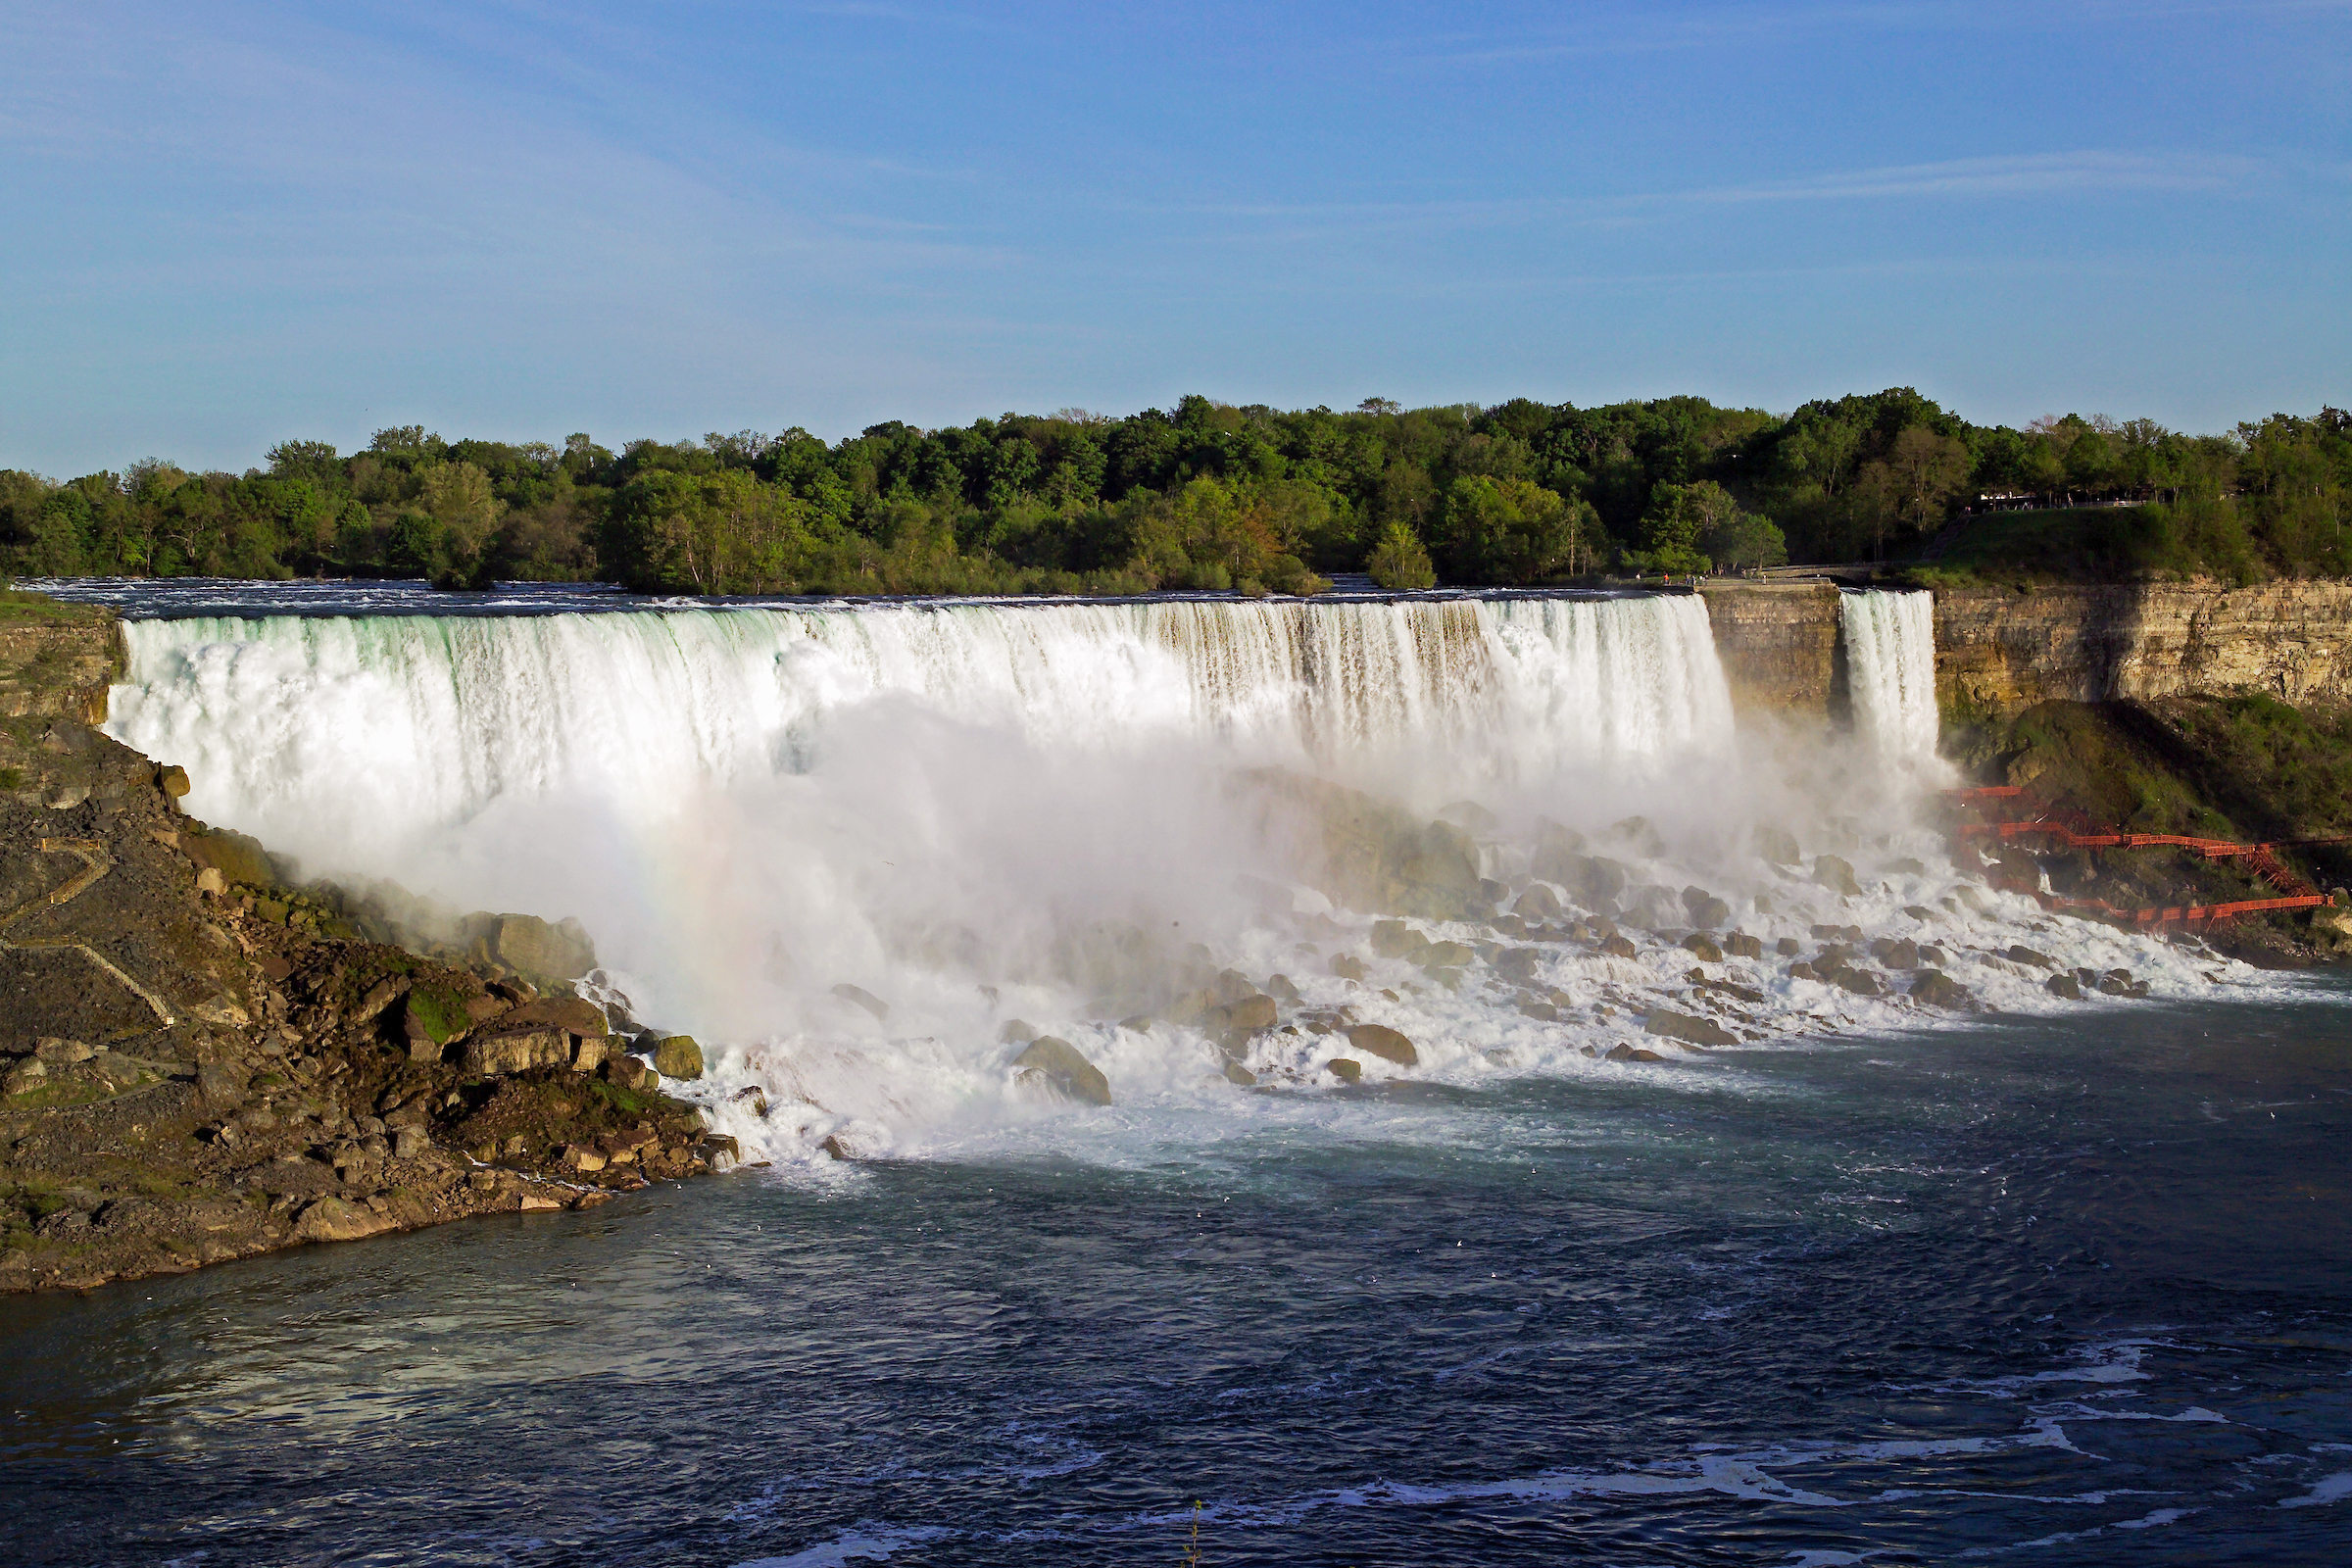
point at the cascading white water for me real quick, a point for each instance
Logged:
(963, 807)
(405, 726)
(706, 788)
(1890, 670)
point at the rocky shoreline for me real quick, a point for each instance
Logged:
(198, 1063)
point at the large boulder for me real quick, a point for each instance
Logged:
(1861, 982)
(1538, 902)
(631, 1074)
(859, 996)
(1053, 1064)
(591, 1052)
(1519, 965)
(540, 951)
(1653, 908)
(1707, 911)
(1687, 1029)
(1936, 989)
(567, 1013)
(516, 1050)
(1836, 874)
(1251, 1013)
(336, 1219)
(1232, 986)
(1470, 817)
(433, 1016)
(1777, 844)
(235, 857)
(1378, 1040)
(678, 1056)
(2332, 929)
(1591, 877)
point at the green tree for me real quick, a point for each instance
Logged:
(1671, 528)
(456, 496)
(1513, 531)
(1739, 540)
(1398, 563)
(314, 460)
(1915, 482)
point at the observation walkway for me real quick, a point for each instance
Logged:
(2064, 827)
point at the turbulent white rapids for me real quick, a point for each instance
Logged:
(950, 805)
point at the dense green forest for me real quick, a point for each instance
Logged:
(1215, 496)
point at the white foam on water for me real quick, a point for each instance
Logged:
(987, 811)
(853, 1546)
(2327, 1490)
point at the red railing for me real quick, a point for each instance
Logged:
(2071, 829)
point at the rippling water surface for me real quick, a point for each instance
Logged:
(2033, 1290)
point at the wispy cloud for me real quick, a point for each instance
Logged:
(2030, 174)
(1660, 30)
(2018, 177)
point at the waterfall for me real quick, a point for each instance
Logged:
(1068, 814)
(413, 724)
(1890, 670)
(707, 789)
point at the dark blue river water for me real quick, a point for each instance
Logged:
(2032, 1292)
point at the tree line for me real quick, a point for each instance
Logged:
(1206, 495)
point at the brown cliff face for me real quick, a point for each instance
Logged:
(1779, 647)
(1998, 650)
(56, 660)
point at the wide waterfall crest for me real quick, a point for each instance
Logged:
(414, 722)
(1890, 670)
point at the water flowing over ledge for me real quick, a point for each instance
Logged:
(1891, 671)
(428, 721)
(978, 815)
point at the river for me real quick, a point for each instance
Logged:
(2057, 1282)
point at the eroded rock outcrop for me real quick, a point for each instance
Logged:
(199, 1063)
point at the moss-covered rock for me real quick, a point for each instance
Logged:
(678, 1056)
(435, 1014)
(240, 860)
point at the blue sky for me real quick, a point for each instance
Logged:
(233, 224)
